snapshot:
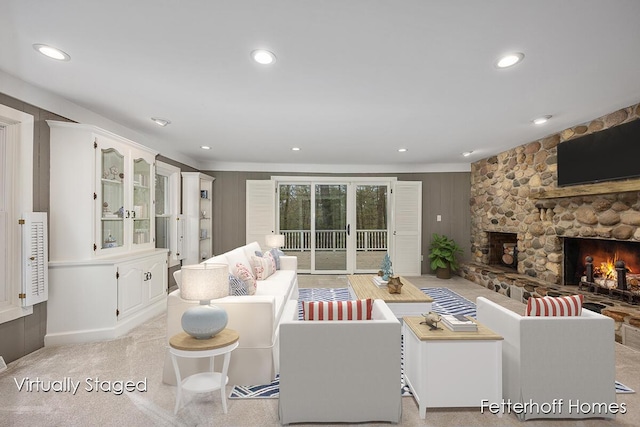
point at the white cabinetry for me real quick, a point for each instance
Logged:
(106, 276)
(197, 207)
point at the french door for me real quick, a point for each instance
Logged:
(335, 227)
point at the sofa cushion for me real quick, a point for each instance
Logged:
(250, 249)
(555, 306)
(237, 286)
(337, 310)
(263, 266)
(235, 257)
(245, 274)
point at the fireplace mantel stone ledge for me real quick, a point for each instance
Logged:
(522, 287)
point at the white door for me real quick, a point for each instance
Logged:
(406, 254)
(261, 210)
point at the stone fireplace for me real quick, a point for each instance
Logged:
(515, 194)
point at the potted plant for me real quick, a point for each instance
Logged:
(443, 255)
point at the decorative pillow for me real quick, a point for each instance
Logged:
(263, 266)
(555, 306)
(337, 310)
(277, 253)
(237, 286)
(244, 274)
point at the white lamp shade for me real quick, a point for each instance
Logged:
(204, 282)
(274, 240)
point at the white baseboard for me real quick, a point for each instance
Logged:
(105, 334)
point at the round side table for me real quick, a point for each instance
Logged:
(184, 345)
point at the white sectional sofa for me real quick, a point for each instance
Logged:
(555, 359)
(255, 318)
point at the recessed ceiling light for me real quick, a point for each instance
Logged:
(295, 149)
(510, 60)
(402, 150)
(467, 153)
(541, 120)
(263, 57)
(160, 122)
(205, 147)
(52, 52)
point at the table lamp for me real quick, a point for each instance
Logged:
(204, 282)
(275, 241)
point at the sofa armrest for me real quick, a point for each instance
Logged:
(252, 316)
(288, 262)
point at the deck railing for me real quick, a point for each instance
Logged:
(334, 240)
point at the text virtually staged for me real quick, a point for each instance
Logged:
(69, 385)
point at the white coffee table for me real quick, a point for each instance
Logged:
(451, 369)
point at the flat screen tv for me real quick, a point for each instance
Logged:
(609, 155)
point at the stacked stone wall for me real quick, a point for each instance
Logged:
(501, 190)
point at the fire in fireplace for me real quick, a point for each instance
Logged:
(604, 266)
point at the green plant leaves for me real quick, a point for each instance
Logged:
(443, 252)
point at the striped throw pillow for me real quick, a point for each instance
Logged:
(245, 274)
(555, 306)
(337, 310)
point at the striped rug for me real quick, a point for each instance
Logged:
(445, 301)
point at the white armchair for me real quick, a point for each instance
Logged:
(340, 371)
(547, 358)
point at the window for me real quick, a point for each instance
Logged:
(16, 197)
(168, 230)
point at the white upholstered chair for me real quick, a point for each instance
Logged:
(340, 371)
(547, 358)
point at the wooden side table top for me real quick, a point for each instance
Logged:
(363, 287)
(184, 341)
(424, 333)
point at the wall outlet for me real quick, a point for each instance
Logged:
(3, 365)
(438, 218)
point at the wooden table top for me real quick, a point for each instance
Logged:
(184, 341)
(424, 333)
(363, 287)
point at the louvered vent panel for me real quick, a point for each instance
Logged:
(35, 259)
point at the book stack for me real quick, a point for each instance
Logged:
(458, 323)
(377, 280)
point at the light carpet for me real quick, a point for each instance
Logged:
(445, 301)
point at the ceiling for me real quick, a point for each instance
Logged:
(354, 80)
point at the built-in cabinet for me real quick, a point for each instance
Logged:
(105, 274)
(197, 208)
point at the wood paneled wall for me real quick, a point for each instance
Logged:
(26, 334)
(443, 193)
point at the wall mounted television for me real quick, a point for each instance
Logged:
(609, 155)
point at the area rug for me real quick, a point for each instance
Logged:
(445, 301)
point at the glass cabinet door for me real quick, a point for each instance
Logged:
(112, 186)
(141, 202)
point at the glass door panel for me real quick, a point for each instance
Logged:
(163, 211)
(371, 226)
(295, 222)
(330, 235)
(112, 193)
(141, 202)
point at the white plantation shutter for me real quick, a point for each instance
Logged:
(407, 228)
(261, 210)
(35, 277)
(4, 276)
(177, 230)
